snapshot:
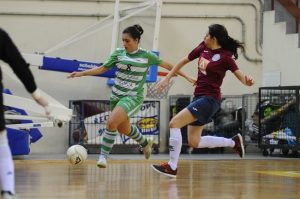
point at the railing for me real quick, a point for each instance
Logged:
(89, 124)
(292, 6)
(286, 10)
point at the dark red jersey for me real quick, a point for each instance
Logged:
(218, 62)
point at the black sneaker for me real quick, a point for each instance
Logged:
(165, 169)
(239, 146)
(7, 195)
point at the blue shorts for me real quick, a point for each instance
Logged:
(203, 108)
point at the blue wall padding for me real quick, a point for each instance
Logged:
(18, 141)
(153, 70)
(65, 65)
(152, 76)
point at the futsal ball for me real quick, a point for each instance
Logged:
(77, 154)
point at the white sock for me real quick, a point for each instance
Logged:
(175, 143)
(7, 176)
(213, 142)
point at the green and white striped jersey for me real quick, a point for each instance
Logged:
(132, 70)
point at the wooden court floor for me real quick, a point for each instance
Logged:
(134, 179)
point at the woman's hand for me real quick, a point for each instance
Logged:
(249, 80)
(162, 84)
(75, 74)
(245, 79)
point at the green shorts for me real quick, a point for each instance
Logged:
(130, 104)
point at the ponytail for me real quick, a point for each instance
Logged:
(226, 42)
(232, 45)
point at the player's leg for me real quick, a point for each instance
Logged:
(7, 176)
(131, 105)
(119, 120)
(175, 141)
(207, 107)
(183, 118)
(196, 141)
(236, 142)
(134, 133)
(107, 143)
(116, 119)
(197, 113)
(110, 133)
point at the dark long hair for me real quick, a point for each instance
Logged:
(218, 31)
(134, 31)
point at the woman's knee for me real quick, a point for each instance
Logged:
(172, 124)
(193, 143)
(111, 125)
(125, 129)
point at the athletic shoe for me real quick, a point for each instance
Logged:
(102, 161)
(165, 169)
(7, 195)
(239, 146)
(148, 149)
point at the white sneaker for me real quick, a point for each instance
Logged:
(148, 149)
(101, 163)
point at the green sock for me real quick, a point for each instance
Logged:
(108, 141)
(136, 135)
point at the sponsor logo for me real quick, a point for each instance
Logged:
(195, 109)
(85, 66)
(147, 123)
(216, 57)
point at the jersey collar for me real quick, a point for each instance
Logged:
(133, 52)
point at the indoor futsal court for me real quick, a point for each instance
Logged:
(75, 151)
(129, 176)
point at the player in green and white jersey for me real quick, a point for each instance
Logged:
(127, 96)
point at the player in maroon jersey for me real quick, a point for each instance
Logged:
(215, 56)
